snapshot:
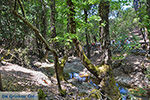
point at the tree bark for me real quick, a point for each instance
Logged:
(53, 35)
(137, 5)
(53, 28)
(38, 34)
(87, 35)
(108, 83)
(106, 80)
(39, 44)
(71, 17)
(1, 86)
(104, 31)
(148, 25)
(44, 27)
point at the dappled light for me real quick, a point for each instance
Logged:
(75, 49)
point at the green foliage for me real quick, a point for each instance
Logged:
(93, 1)
(95, 94)
(94, 17)
(118, 57)
(115, 5)
(139, 92)
(65, 39)
(63, 92)
(120, 27)
(51, 60)
(145, 19)
(147, 73)
(41, 95)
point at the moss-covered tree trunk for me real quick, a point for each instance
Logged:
(108, 83)
(102, 72)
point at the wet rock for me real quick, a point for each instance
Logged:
(139, 52)
(75, 66)
(124, 80)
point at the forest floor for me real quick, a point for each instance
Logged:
(129, 72)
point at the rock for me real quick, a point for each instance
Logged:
(124, 80)
(43, 65)
(118, 71)
(96, 52)
(127, 69)
(73, 67)
(117, 63)
(139, 52)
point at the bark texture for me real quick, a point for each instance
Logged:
(87, 35)
(102, 72)
(53, 28)
(148, 26)
(42, 39)
(1, 86)
(108, 83)
(104, 31)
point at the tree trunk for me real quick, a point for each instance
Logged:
(68, 24)
(148, 8)
(1, 87)
(104, 31)
(102, 72)
(137, 5)
(87, 36)
(108, 83)
(39, 43)
(53, 35)
(42, 39)
(44, 27)
(53, 28)
(71, 17)
(147, 26)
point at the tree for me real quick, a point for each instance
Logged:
(44, 25)
(53, 29)
(148, 24)
(1, 87)
(104, 31)
(107, 81)
(105, 41)
(87, 34)
(138, 6)
(58, 66)
(38, 23)
(53, 35)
